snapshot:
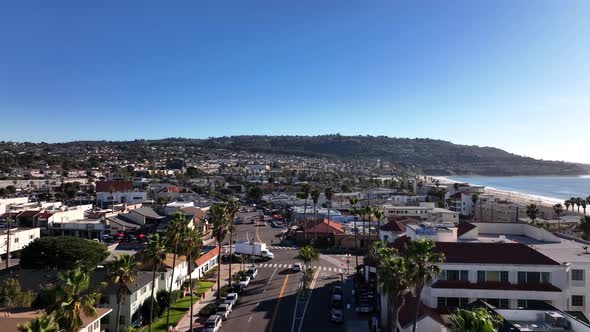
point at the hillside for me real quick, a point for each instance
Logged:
(433, 157)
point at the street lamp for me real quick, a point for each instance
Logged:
(347, 264)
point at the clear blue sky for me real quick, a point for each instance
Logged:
(511, 74)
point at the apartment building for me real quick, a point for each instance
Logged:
(117, 192)
(20, 237)
(427, 211)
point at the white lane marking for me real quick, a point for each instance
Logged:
(250, 319)
(311, 287)
(269, 280)
(274, 265)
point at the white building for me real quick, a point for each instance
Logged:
(5, 203)
(426, 211)
(19, 238)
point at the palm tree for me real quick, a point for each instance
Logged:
(304, 194)
(232, 209)
(574, 201)
(379, 214)
(477, 320)
(558, 209)
(43, 323)
(329, 193)
(74, 297)
(218, 212)
(532, 212)
(394, 276)
(474, 199)
(123, 271)
(366, 213)
(315, 196)
(585, 227)
(567, 205)
(155, 253)
(174, 232)
(583, 203)
(422, 259)
(307, 254)
(193, 241)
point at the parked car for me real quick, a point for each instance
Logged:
(252, 272)
(212, 324)
(223, 310)
(239, 288)
(231, 298)
(297, 267)
(336, 315)
(245, 280)
(336, 301)
(337, 290)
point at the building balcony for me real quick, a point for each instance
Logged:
(491, 285)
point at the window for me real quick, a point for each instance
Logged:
(533, 277)
(122, 319)
(492, 276)
(577, 300)
(133, 297)
(455, 275)
(16, 240)
(142, 290)
(452, 302)
(578, 275)
(522, 304)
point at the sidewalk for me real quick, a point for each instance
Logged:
(210, 297)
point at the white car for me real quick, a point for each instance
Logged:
(213, 324)
(224, 310)
(231, 299)
(297, 267)
(252, 272)
(245, 281)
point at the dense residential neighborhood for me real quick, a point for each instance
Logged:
(160, 246)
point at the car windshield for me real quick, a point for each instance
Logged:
(209, 324)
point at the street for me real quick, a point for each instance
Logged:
(271, 302)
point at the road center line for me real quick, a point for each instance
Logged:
(269, 280)
(274, 314)
(250, 319)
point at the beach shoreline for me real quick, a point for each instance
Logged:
(511, 196)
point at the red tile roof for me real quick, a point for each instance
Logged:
(484, 252)
(407, 311)
(114, 186)
(495, 285)
(9, 215)
(28, 214)
(44, 215)
(464, 227)
(398, 224)
(207, 256)
(326, 227)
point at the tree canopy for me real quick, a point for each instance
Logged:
(63, 252)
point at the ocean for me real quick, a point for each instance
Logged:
(555, 187)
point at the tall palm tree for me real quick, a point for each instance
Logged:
(174, 233)
(394, 276)
(43, 323)
(193, 241)
(304, 194)
(583, 203)
(366, 214)
(353, 202)
(474, 320)
(74, 297)
(307, 254)
(154, 253)
(218, 212)
(558, 209)
(123, 271)
(532, 212)
(576, 201)
(232, 209)
(474, 199)
(329, 193)
(315, 196)
(379, 214)
(422, 259)
(585, 227)
(567, 205)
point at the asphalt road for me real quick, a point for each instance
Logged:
(270, 303)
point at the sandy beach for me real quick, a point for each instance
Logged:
(512, 196)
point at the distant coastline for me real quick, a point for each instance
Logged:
(541, 190)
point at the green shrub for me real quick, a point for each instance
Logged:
(145, 309)
(208, 310)
(223, 291)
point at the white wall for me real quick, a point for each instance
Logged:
(517, 229)
(19, 238)
(5, 202)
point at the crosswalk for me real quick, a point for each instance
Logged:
(282, 248)
(288, 266)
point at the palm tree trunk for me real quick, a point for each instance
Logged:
(315, 217)
(152, 299)
(190, 289)
(219, 271)
(305, 221)
(118, 312)
(417, 308)
(170, 288)
(231, 257)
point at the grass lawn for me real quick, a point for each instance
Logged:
(179, 309)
